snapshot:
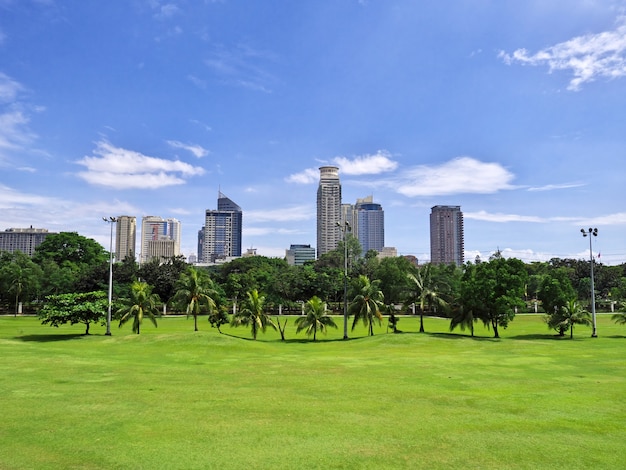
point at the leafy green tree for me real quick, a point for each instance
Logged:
(394, 282)
(85, 307)
(70, 247)
(367, 303)
(316, 318)
(252, 313)
(20, 278)
(193, 291)
(555, 290)
(141, 302)
(163, 275)
(574, 314)
(424, 291)
(492, 290)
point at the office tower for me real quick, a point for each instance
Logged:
(22, 239)
(446, 235)
(125, 237)
(222, 231)
(297, 255)
(370, 224)
(328, 210)
(154, 230)
(200, 244)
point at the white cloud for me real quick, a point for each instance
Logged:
(458, 176)
(243, 66)
(551, 187)
(9, 88)
(375, 164)
(368, 164)
(308, 176)
(122, 169)
(285, 214)
(196, 150)
(587, 57)
(499, 217)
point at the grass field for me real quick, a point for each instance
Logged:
(172, 398)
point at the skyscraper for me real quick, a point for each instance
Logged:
(125, 237)
(222, 231)
(328, 210)
(446, 235)
(370, 224)
(155, 234)
(22, 239)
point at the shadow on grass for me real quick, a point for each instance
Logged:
(462, 336)
(49, 338)
(543, 336)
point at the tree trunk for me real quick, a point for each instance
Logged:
(495, 329)
(571, 331)
(87, 329)
(195, 322)
(421, 320)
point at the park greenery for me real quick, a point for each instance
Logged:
(244, 389)
(177, 399)
(65, 280)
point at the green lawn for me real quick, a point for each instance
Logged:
(172, 398)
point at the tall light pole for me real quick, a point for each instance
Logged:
(592, 232)
(110, 220)
(344, 230)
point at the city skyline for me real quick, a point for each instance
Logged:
(514, 112)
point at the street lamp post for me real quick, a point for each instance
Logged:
(110, 220)
(592, 232)
(345, 229)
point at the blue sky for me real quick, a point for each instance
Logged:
(516, 111)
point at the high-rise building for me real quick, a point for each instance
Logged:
(297, 255)
(222, 231)
(153, 231)
(328, 210)
(446, 235)
(370, 224)
(125, 237)
(22, 239)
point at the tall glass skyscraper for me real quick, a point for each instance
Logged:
(222, 231)
(446, 235)
(328, 210)
(370, 225)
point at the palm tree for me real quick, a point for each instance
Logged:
(463, 318)
(367, 304)
(573, 313)
(193, 291)
(425, 291)
(141, 302)
(316, 318)
(620, 317)
(252, 313)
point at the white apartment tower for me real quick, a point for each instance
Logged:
(328, 210)
(155, 234)
(125, 237)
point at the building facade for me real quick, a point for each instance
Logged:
(221, 237)
(155, 229)
(297, 255)
(125, 237)
(328, 210)
(370, 224)
(22, 239)
(446, 235)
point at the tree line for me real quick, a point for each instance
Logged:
(67, 279)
